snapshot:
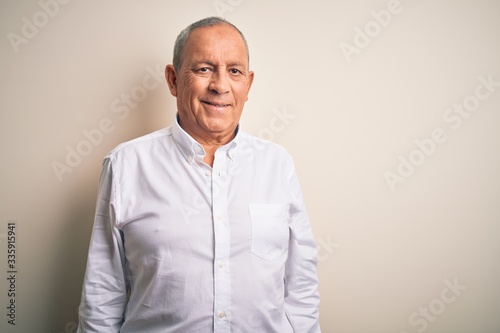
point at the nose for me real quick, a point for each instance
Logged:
(219, 82)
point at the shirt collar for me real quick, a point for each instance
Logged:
(189, 147)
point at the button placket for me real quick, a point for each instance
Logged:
(222, 243)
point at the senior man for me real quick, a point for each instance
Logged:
(201, 227)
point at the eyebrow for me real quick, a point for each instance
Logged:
(206, 62)
(236, 64)
(239, 64)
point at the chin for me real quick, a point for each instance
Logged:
(218, 124)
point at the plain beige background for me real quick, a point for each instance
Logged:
(348, 87)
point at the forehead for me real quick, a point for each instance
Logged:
(220, 42)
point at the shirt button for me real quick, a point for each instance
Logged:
(219, 217)
(222, 314)
(208, 173)
(221, 265)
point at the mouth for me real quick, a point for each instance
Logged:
(216, 104)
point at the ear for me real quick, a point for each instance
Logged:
(171, 76)
(250, 81)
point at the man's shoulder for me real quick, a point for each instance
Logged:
(141, 144)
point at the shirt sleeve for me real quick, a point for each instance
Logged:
(301, 279)
(104, 292)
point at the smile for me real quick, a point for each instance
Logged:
(215, 104)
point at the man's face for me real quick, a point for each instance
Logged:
(212, 84)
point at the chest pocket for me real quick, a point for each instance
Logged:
(269, 230)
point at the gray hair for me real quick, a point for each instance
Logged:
(181, 40)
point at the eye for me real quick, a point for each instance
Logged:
(203, 70)
(235, 71)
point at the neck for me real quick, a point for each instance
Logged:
(210, 141)
(210, 155)
(210, 145)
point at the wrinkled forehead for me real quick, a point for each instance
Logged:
(215, 44)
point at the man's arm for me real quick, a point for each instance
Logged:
(104, 293)
(301, 279)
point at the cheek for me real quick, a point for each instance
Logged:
(241, 92)
(197, 83)
(192, 87)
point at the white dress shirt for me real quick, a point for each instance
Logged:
(179, 246)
